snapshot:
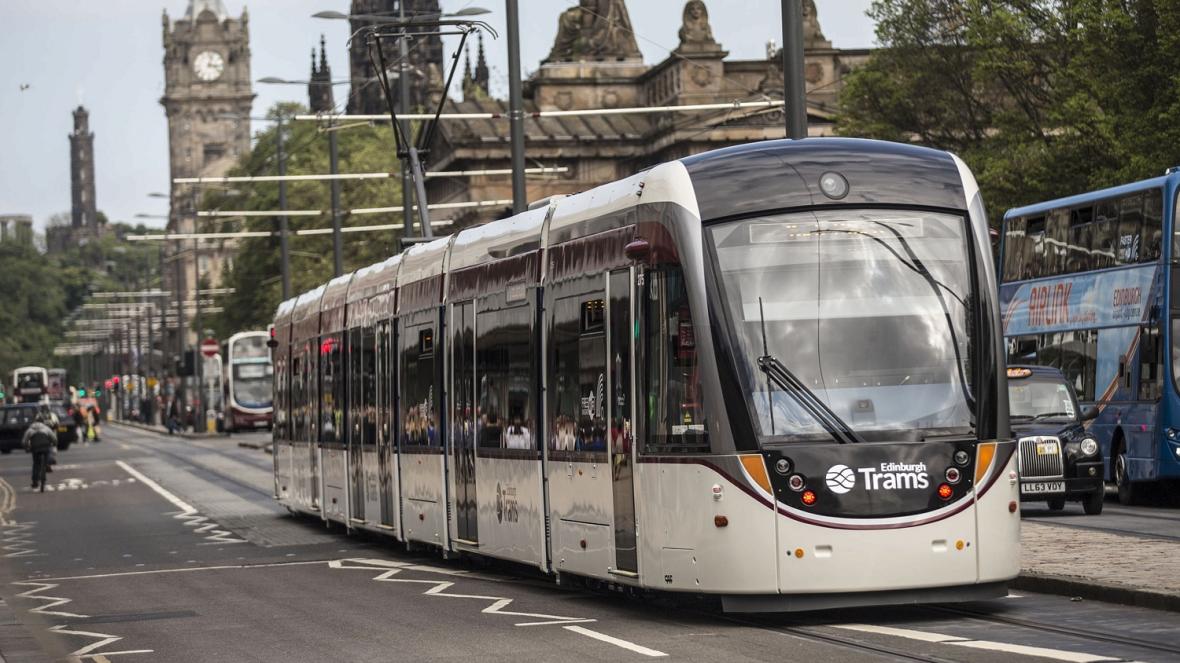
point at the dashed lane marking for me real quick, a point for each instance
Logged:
(189, 514)
(388, 569)
(957, 641)
(638, 649)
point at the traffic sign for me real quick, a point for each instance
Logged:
(209, 347)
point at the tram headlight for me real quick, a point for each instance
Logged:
(795, 482)
(953, 475)
(962, 457)
(1089, 446)
(833, 185)
(1173, 434)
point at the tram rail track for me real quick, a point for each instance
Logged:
(1082, 634)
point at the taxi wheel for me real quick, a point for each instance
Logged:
(1093, 502)
(1129, 493)
(1057, 504)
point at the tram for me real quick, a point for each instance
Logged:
(772, 373)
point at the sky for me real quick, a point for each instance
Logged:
(108, 56)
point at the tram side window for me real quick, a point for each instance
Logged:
(353, 411)
(462, 395)
(675, 417)
(504, 378)
(368, 386)
(578, 375)
(298, 407)
(418, 399)
(281, 379)
(333, 389)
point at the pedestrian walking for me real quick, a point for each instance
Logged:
(39, 439)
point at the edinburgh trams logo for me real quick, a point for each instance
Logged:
(840, 479)
(884, 476)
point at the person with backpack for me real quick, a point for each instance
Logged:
(40, 439)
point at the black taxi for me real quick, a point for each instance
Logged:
(1058, 459)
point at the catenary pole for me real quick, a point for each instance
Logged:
(515, 109)
(337, 246)
(284, 229)
(794, 92)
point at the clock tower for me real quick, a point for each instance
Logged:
(207, 99)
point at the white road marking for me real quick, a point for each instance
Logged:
(89, 650)
(53, 601)
(188, 513)
(184, 570)
(17, 539)
(954, 640)
(638, 649)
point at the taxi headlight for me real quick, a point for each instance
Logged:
(1089, 446)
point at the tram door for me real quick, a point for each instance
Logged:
(622, 459)
(385, 409)
(462, 421)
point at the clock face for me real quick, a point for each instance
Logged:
(208, 65)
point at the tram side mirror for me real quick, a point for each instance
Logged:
(1090, 413)
(272, 344)
(637, 250)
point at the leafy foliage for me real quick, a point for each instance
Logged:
(1042, 98)
(255, 274)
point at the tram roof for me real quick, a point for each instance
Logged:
(1089, 197)
(781, 174)
(498, 239)
(374, 279)
(422, 261)
(283, 312)
(308, 304)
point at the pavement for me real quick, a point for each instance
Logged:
(148, 547)
(1128, 555)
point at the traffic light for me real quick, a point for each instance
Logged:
(81, 393)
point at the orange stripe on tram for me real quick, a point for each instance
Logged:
(983, 460)
(756, 468)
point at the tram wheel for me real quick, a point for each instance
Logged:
(1057, 504)
(1093, 502)
(1129, 493)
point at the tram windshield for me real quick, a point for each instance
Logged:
(860, 318)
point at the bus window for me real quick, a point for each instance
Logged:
(1013, 249)
(1130, 229)
(1080, 256)
(1105, 245)
(1057, 240)
(1153, 226)
(1149, 364)
(1036, 252)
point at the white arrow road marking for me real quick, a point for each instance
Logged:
(438, 588)
(188, 513)
(1009, 648)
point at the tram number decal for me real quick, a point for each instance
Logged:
(507, 508)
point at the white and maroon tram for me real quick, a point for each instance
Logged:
(771, 372)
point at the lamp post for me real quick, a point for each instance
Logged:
(516, 109)
(794, 91)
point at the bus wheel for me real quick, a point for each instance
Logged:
(1057, 504)
(1093, 502)
(1129, 493)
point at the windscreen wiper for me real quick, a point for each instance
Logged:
(786, 380)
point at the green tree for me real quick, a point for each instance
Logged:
(255, 273)
(1042, 98)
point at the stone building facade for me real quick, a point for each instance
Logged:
(16, 228)
(424, 64)
(83, 208)
(207, 100)
(595, 63)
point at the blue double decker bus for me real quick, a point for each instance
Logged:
(1090, 284)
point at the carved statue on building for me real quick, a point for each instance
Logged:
(594, 30)
(695, 33)
(813, 36)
